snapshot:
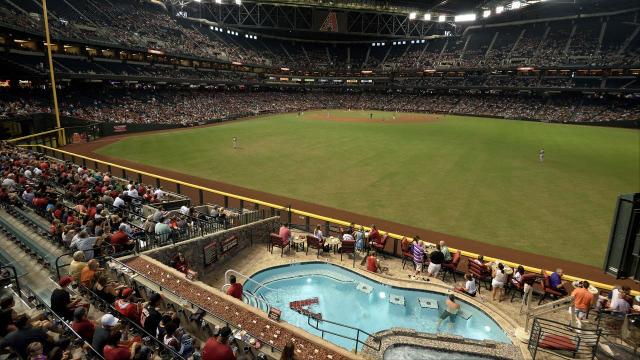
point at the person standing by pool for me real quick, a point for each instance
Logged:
(436, 258)
(418, 255)
(450, 312)
(360, 236)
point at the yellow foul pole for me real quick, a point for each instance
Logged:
(61, 137)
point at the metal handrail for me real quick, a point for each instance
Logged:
(186, 301)
(113, 310)
(99, 258)
(356, 339)
(14, 276)
(226, 279)
(40, 301)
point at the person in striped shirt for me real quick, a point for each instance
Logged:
(418, 255)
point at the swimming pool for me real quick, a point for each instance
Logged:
(348, 298)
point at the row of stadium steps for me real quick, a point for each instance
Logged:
(33, 238)
(33, 256)
(32, 266)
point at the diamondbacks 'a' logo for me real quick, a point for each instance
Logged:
(330, 23)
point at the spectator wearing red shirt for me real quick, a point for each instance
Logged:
(82, 325)
(285, 233)
(372, 262)
(218, 349)
(120, 240)
(374, 235)
(116, 351)
(71, 219)
(235, 289)
(126, 307)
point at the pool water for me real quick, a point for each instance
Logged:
(408, 352)
(341, 301)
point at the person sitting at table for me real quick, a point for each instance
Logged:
(610, 302)
(436, 258)
(445, 251)
(347, 236)
(284, 233)
(318, 233)
(470, 287)
(556, 283)
(619, 304)
(497, 283)
(374, 235)
(517, 275)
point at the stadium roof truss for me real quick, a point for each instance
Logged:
(249, 15)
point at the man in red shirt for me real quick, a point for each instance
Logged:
(235, 289)
(120, 240)
(372, 262)
(82, 325)
(114, 350)
(126, 307)
(218, 349)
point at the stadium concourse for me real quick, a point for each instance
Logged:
(99, 259)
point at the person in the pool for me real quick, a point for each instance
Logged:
(450, 312)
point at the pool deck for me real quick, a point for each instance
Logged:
(505, 313)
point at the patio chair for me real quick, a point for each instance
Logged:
(407, 255)
(277, 241)
(480, 272)
(517, 287)
(348, 247)
(379, 245)
(314, 243)
(452, 267)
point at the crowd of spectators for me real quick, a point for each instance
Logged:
(187, 108)
(142, 25)
(88, 213)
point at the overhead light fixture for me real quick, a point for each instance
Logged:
(465, 18)
(218, 1)
(427, 17)
(499, 9)
(238, 2)
(442, 18)
(516, 5)
(486, 13)
(412, 15)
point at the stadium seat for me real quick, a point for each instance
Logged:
(452, 267)
(277, 241)
(348, 247)
(314, 243)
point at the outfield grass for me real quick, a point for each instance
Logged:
(469, 177)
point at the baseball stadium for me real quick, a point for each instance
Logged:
(312, 179)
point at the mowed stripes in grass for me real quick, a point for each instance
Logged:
(469, 177)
